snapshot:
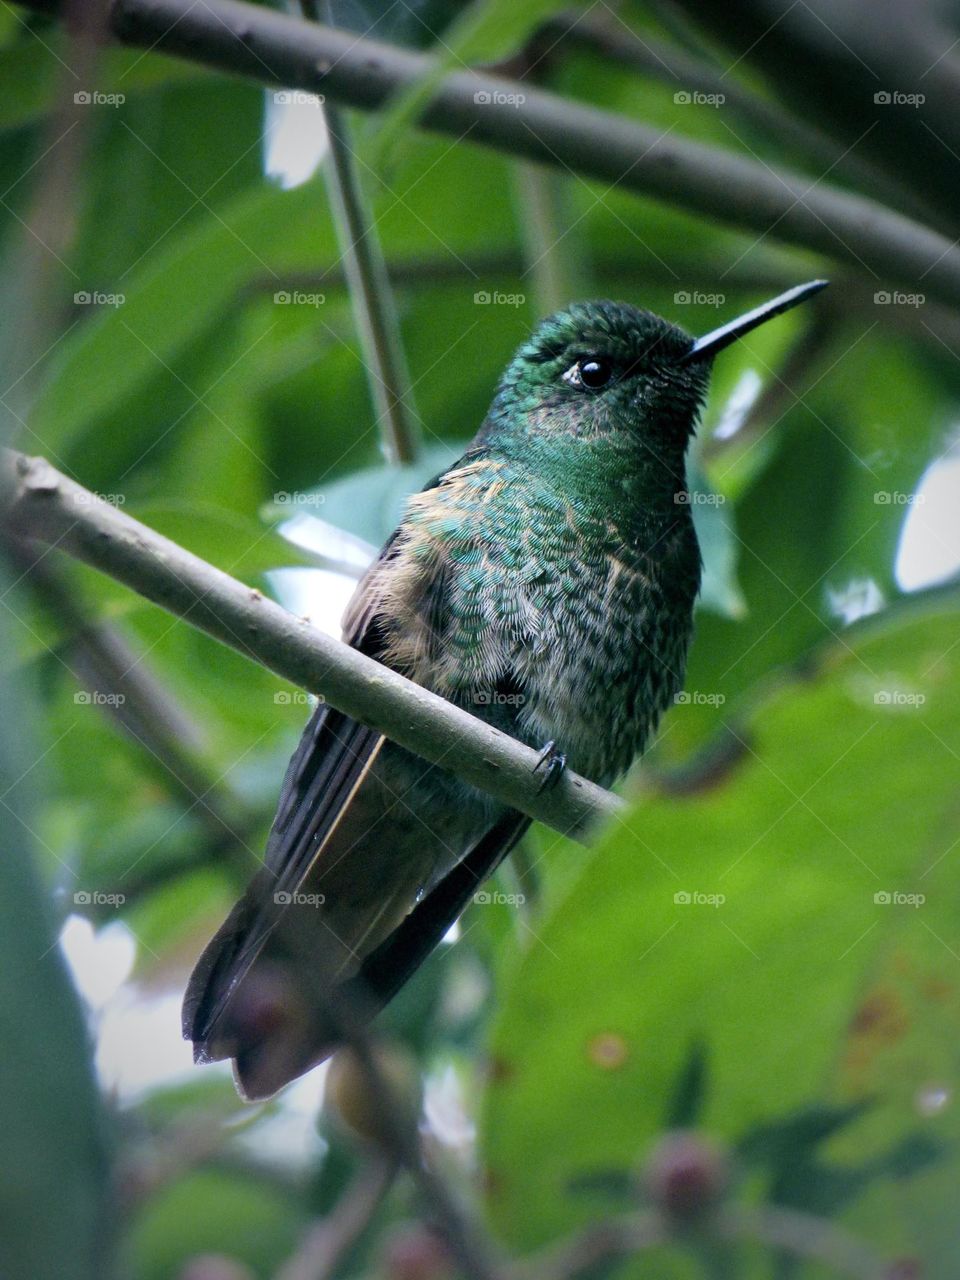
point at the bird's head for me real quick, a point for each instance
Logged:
(602, 369)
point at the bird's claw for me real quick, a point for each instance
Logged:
(555, 761)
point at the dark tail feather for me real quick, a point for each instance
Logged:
(385, 970)
(276, 1026)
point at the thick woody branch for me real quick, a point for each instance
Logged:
(515, 117)
(44, 504)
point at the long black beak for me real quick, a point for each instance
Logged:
(715, 341)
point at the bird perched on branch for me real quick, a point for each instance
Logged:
(546, 582)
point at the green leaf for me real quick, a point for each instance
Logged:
(53, 1198)
(800, 982)
(370, 502)
(177, 293)
(213, 1211)
(32, 79)
(486, 31)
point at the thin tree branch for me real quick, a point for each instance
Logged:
(327, 1242)
(103, 661)
(553, 261)
(47, 505)
(371, 295)
(388, 378)
(673, 65)
(888, 75)
(469, 1243)
(515, 117)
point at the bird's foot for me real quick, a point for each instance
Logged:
(555, 762)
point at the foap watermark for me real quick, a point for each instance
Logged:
(94, 298)
(696, 98)
(898, 698)
(296, 698)
(697, 298)
(286, 498)
(699, 698)
(298, 298)
(493, 897)
(896, 98)
(897, 298)
(697, 898)
(94, 98)
(698, 498)
(90, 499)
(485, 298)
(298, 899)
(297, 98)
(894, 898)
(896, 498)
(94, 698)
(498, 98)
(496, 698)
(97, 898)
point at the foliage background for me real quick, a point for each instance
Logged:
(809, 1020)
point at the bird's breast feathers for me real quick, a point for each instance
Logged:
(501, 595)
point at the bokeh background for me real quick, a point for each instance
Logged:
(766, 948)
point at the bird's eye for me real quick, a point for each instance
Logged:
(589, 374)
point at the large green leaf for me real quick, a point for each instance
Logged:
(31, 78)
(813, 977)
(53, 1195)
(177, 293)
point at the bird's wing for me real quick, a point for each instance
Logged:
(368, 929)
(330, 761)
(387, 968)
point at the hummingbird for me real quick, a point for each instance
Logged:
(546, 582)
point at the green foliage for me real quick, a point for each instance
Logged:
(806, 1025)
(755, 919)
(55, 1137)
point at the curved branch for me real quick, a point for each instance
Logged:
(42, 503)
(512, 116)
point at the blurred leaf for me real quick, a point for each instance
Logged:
(175, 294)
(32, 77)
(213, 1211)
(713, 522)
(53, 1199)
(485, 31)
(370, 502)
(798, 956)
(239, 545)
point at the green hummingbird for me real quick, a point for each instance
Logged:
(546, 582)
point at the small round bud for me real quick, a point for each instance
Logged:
(348, 1094)
(685, 1175)
(414, 1252)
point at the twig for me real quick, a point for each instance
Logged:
(597, 1245)
(371, 295)
(104, 661)
(889, 85)
(33, 265)
(686, 71)
(271, 47)
(370, 291)
(399, 1138)
(803, 1235)
(552, 259)
(326, 1242)
(47, 505)
(612, 269)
